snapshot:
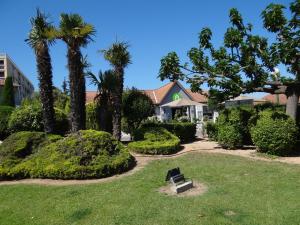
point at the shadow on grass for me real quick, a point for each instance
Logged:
(80, 214)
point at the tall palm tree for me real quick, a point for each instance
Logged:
(76, 34)
(106, 87)
(38, 40)
(119, 58)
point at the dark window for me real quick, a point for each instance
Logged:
(1, 74)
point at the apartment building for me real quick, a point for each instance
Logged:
(22, 86)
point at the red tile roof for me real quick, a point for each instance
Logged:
(273, 98)
(157, 95)
(197, 97)
(89, 96)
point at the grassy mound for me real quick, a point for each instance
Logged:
(154, 140)
(82, 155)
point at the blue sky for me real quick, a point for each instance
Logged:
(152, 28)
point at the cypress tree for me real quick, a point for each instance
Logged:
(7, 94)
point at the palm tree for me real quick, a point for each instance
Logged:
(38, 40)
(76, 34)
(106, 86)
(119, 57)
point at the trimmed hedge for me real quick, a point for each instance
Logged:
(185, 131)
(211, 130)
(230, 137)
(5, 112)
(155, 141)
(30, 118)
(18, 146)
(275, 133)
(234, 120)
(82, 155)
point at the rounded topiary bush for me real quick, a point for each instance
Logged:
(81, 155)
(18, 147)
(30, 118)
(185, 131)
(154, 140)
(230, 137)
(275, 133)
(5, 112)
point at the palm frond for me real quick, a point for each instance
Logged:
(117, 54)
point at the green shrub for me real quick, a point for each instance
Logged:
(92, 122)
(211, 130)
(239, 118)
(275, 133)
(5, 112)
(185, 131)
(81, 155)
(18, 146)
(30, 118)
(154, 140)
(229, 136)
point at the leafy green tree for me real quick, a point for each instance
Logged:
(106, 84)
(119, 58)
(7, 97)
(246, 62)
(137, 107)
(76, 34)
(39, 42)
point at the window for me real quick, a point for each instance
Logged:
(1, 64)
(1, 74)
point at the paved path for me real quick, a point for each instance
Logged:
(202, 146)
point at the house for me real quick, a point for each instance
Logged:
(172, 100)
(22, 86)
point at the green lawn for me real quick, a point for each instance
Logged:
(257, 192)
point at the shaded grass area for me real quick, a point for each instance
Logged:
(240, 191)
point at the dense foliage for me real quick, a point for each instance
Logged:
(7, 95)
(246, 62)
(275, 133)
(238, 117)
(185, 131)
(17, 147)
(5, 112)
(92, 117)
(154, 140)
(29, 117)
(137, 107)
(229, 136)
(81, 155)
(211, 130)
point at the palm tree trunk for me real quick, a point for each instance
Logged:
(117, 104)
(77, 89)
(46, 87)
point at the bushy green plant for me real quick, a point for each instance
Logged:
(92, 121)
(81, 155)
(238, 118)
(154, 140)
(136, 107)
(7, 96)
(185, 131)
(229, 136)
(275, 133)
(29, 117)
(211, 130)
(18, 146)
(5, 112)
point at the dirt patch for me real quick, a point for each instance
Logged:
(198, 189)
